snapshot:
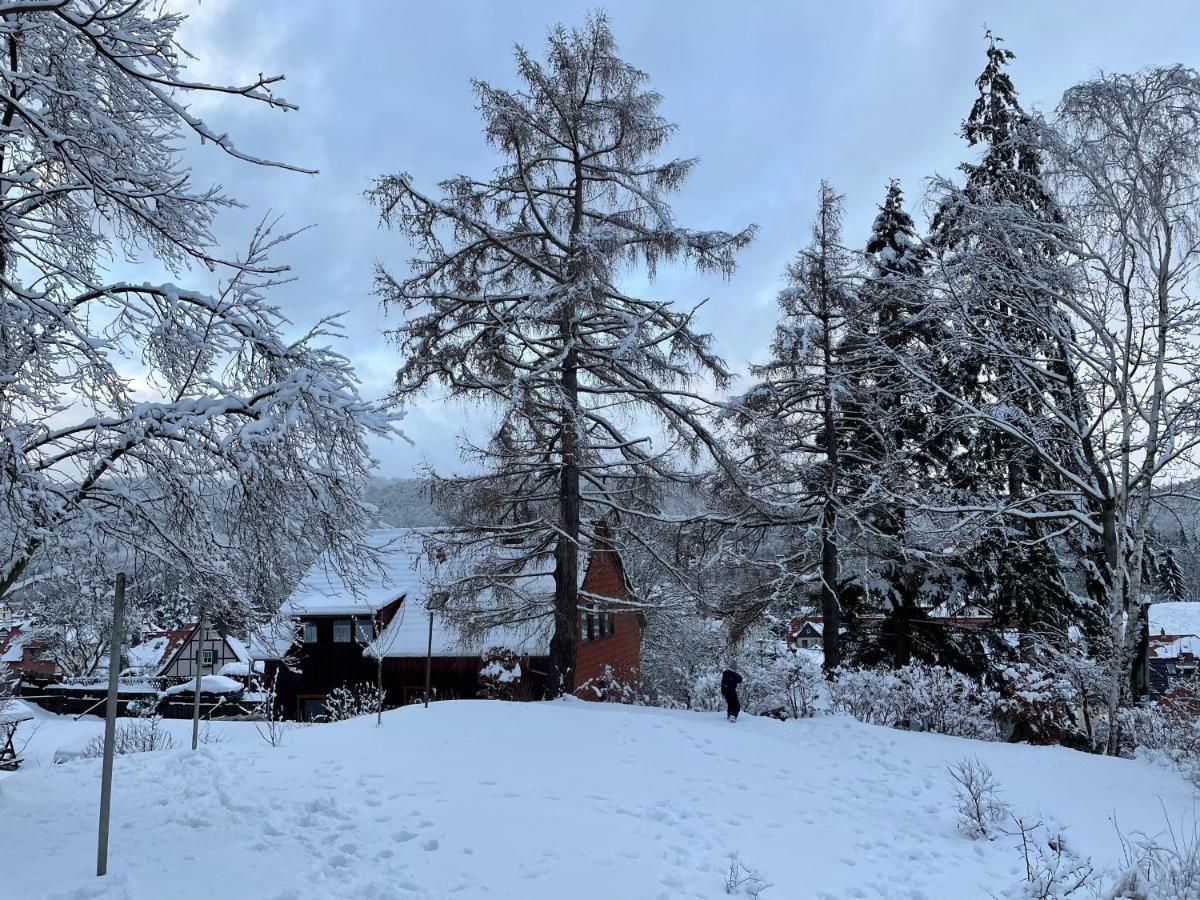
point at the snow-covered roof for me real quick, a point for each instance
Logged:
(406, 574)
(407, 635)
(1175, 618)
(324, 592)
(13, 643)
(1188, 644)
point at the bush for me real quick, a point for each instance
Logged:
(610, 687)
(1160, 869)
(917, 697)
(1168, 730)
(350, 701)
(500, 676)
(977, 797)
(1040, 706)
(143, 735)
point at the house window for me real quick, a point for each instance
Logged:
(585, 627)
(608, 622)
(364, 631)
(310, 632)
(208, 658)
(341, 631)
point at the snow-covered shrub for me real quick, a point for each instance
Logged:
(775, 682)
(1053, 871)
(978, 805)
(679, 649)
(610, 687)
(1040, 705)
(500, 676)
(1168, 730)
(1160, 869)
(800, 679)
(269, 721)
(142, 735)
(918, 697)
(350, 701)
(743, 881)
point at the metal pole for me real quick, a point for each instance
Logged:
(196, 687)
(110, 722)
(429, 659)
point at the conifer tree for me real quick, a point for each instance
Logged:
(515, 301)
(999, 243)
(792, 420)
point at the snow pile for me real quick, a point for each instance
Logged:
(209, 684)
(594, 801)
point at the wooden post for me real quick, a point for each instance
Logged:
(116, 637)
(196, 688)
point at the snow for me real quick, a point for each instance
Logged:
(323, 592)
(209, 684)
(1175, 618)
(483, 799)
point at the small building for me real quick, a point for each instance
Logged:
(1172, 647)
(346, 635)
(806, 633)
(25, 654)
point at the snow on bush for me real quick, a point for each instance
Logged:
(350, 701)
(978, 805)
(1158, 868)
(1040, 705)
(143, 735)
(500, 677)
(775, 682)
(743, 881)
(1167, 731)
(611, 687)
(917, 697)
(1053, 871)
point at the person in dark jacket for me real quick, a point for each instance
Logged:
(730, 679)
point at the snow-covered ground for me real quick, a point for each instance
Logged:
(477, 799)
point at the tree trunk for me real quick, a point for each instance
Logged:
(566, 555)
(831, 610)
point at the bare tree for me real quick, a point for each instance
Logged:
(177, 424)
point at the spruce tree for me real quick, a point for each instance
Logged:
(999, 243)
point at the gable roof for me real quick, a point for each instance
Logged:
(1174, 618)
(323, 592)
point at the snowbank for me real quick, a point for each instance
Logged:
(477, 799)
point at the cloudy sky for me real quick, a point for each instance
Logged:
(772, 96)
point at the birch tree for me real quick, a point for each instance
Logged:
(1127, 154)
(175, 424)
(515, 301)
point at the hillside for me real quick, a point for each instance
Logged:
(476, 799)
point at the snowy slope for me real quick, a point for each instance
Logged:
(476, 799)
